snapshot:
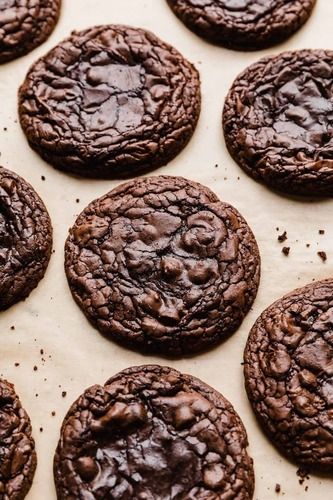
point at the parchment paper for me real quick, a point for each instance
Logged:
(75, 355)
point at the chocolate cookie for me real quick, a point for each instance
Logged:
(151, 432)
(24, 25)
(161, 265)
(25, 238)
(17, 448)
(243, 24)
(110, 101)
(278, 122)
(289, 374)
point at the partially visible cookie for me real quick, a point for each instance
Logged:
(110, 101)
(277, 122)
(17, 448)
(24, 25)
(243, 24)
(289, 374)
(152, 432)
(161, 265)
(25, 238)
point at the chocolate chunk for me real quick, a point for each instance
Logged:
(277, 122)
(25, 24)
(289, 374)
(243, 24)
(17, 448)
(25, 239)
(110, 101)
(322, 255)
(152, 432)
(161, 265)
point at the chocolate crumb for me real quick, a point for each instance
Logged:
(12, 327)
(64, 394)
(16, 364)
(321, 231)
(42, 351)
(41, 429)
(216, 165)
(77, 200)
(42, 177)
(286, 251)
(35, 368)
(307, 245)
(277, 488)
(53, 413)
(283, 237)
(322, 255)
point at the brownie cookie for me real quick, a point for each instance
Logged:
(24, 25)
(17, 448)
(289, 374)
(161, 265)
(278, 122)
(25, 238)
(243, 24)
(110, 101)
(152, 432)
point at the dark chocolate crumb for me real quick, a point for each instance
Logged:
(36, 395)
(307, 245)
(216, 165)
(283, 237)
(5, 129)
(35, 368)
(41, 429)
(53, 413)
(77, 200)
(64, 394)
(322, 255)
(42, 351)
(321, 231)
(286, 251)
(12, 327)
(277, 488)
(16, 364)
(42, 177)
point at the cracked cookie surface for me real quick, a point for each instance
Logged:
(151, 432)
(277, 122)
(110, 101)
(161, 265)
(25, 238)
(289, 374)
(243, 24)
(17, 448)
(24, 25)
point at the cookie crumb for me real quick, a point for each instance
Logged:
(322, 255)
(277, 488)
(283, 237)
(286, 251)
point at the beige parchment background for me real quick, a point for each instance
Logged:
(75, 355)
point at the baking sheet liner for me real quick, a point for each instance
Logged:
(74, 355)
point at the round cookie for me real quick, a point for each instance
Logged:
(153, 432)
(25, 238)
(110, 101)
(17, 448)
(161, 265)
(24, 25)
(243, 24)
(289, 374)
(277, 122)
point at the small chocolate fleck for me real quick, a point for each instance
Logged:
(41, 429)
(322, 255)
(321, 231)
(64, 394)
(283, 237)
(17, 364)
(43, 177)
(77, 200)
(35, 368)
(12, 327)
(53, 413)
(286, 251)
(277, 488)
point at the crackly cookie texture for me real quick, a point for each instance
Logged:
(161, 264)
(278, 122)
(243, 24)
(289, 374)
(153, 433)
(25, 24)
(110, 101)
(25, 238)
(17, 448)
